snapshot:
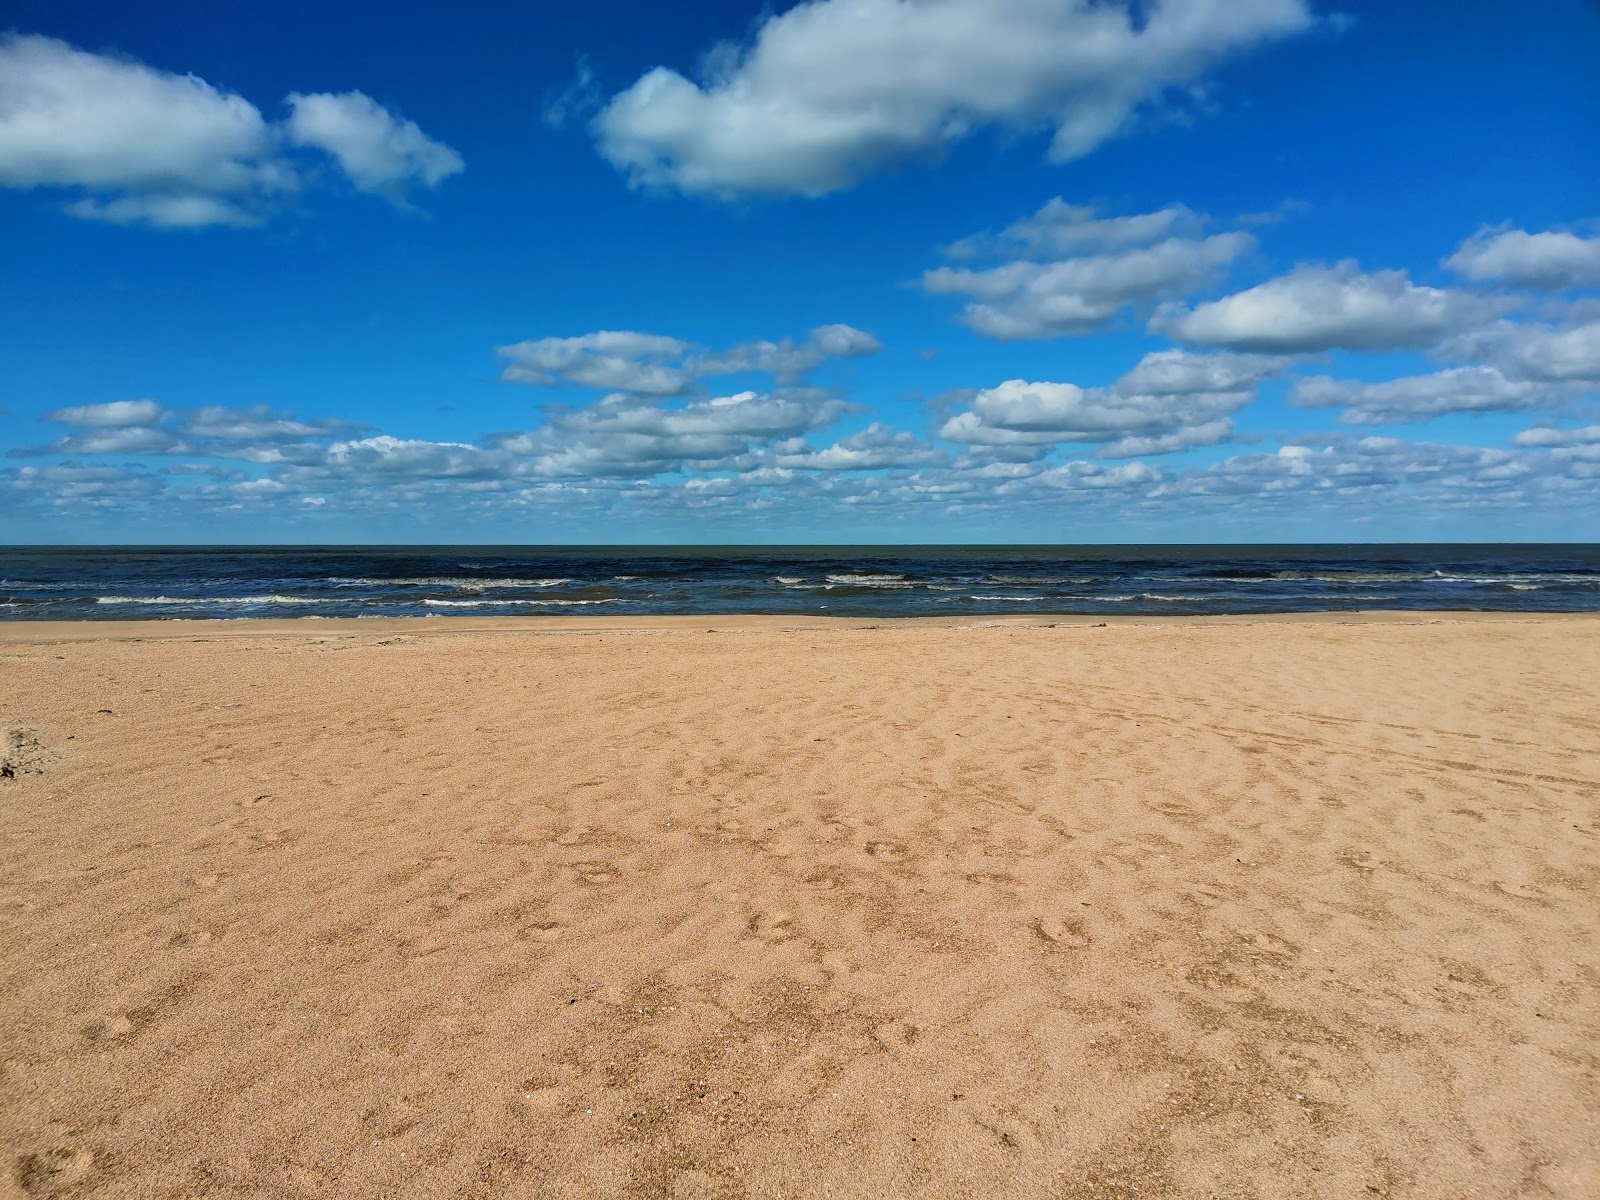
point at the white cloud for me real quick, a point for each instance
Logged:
(875, 448)
(832, 91)
(259, 424)
(125, 439)
(1550, 261)
(1172, 400)
(1060, 229)
(172, 151)
(1185, 437)
(1587, 438)
(1185, 373)
(789, 361)
(622, 437)
(70, 118)
(1313, 309)
(647, 364)
(1026, 299)
(610, 360)
(117, 413)
(1421, 397)
(1539, 352)
(165, 211)
(379, 151)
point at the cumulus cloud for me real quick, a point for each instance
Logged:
(1059, 228)
(622, 437)
(259, 424)
(1171, 400)
(1546, 261)
(1185, 373)
(1027, 299)
(610, 360)
(379, 151)
(1540, 352)
(832, 91)
(875, 448)
(1313, 308)
(647, 364)
(149, 147)
(125, 439)
(1584, 441)
(1421, 397)
(117, 413)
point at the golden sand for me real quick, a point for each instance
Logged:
(1272, 908)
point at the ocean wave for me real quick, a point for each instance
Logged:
(460, 583)
(788, 580)
(504, 603)
(1040, 580)
(867, 580)
(1016, 599)
(202, 600)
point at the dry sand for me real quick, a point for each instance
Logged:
(1267, 909)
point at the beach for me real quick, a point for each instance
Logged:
(784, 906)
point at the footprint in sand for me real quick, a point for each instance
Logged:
(1178, 812)
(117, 1028)
(54, 1172)
(823, 880)
(209, 880)
(1360, 860)
(991, 878)
(543, 931)
(1521, 891)
(391, 1118)
(889, 852)
(895, 1035)
(1065, 932)
(597, 872)
(192, 937)
(770, 927)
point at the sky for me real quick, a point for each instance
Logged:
(892, 271)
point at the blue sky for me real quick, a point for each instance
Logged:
(853, 270)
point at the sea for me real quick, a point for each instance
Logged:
(188, 582)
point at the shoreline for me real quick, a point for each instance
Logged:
(25, 632)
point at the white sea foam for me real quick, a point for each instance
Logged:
(1018, 599)
(870, 580)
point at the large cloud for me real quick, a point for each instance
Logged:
(1312, 309)
(1552, 260)
(834, 90)
(172, 151)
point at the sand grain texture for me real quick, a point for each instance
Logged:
(1264, 909)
